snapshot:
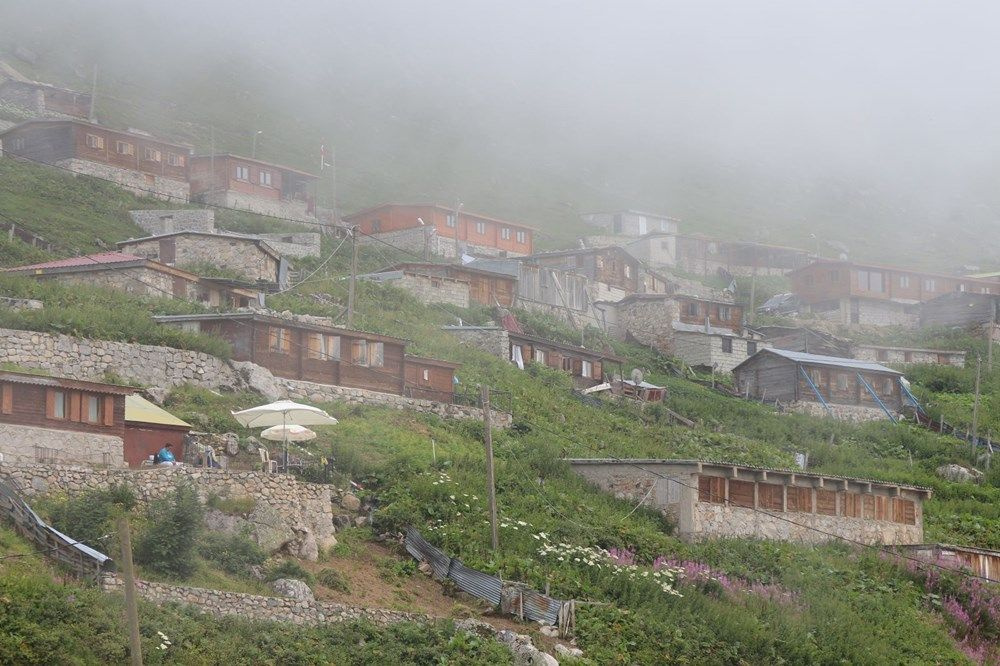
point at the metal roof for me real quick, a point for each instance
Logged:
(63, 382)
(103, 258)
(817, 359)
(140, 410)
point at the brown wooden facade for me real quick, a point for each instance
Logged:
(430, 379)
(485, 287)
(588, 368)
(610, 265)
(51, 141)
(46, 99)
(720, 314)
(250, 176)
(62, 404)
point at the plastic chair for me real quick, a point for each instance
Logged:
(267, 465)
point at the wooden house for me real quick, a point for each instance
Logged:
(907, 355)
(485, 287)
(472, 233)
(963, 309)
(322, 354)
(52, 419)
(430, 379)
(149, 428)
(45, 101)
(631, 222)
(246, 183)
(134, 160)
(805, 339)
(139, 276)
(795, 377)
(702, 255)
(610, 265)
(852, 293)
(717, 500)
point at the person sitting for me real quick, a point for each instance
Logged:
(165, 456)
(208, 458)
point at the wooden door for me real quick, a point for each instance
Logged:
(168, 251)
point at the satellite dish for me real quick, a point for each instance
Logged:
(637, 376)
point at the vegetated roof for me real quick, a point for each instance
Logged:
(259, 242)
(608, 356)
(140, 410)
(818, 359)
(732, 465)
(103, 258)
(62, 382)
(415, 266)
(278, 321)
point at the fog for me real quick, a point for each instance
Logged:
(872, 123)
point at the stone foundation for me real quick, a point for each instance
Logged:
(137, 182)
(29, 444)
(851, 413)
(319, 393)
(158, 222)
(283, 208)
(490, 339)
(289, 515)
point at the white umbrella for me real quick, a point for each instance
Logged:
(288, 433)
(283, 413)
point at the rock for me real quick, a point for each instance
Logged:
(425, 568)
(550, 631)
(350, 502)
(270, 530)
(157, 394)
(567, 651)
(309, 549)
(293, 589)
(252, 444)
(256, 571)
(959, 474)
(231, 442)
(360, 521)
(341, 521)
(217, 521)
(258, 379)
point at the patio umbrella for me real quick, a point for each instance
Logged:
(283, 413)
(289, 433)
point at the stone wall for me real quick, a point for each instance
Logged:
(702, 349)
(255, 607)
(429, 289)
(288, 515)
(648, 322)
(851, 413)
(293, 245)
(319, 393)
(900, 356)
(20, 303)
(30, 444)
(232, 253)
(882, 313)
(284, 208)
(135, 181)
(79, 358)
(158, 222)
(492, 340)
(425, 241)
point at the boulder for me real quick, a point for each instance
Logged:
(293, 589)
(341, 521)
(568, 651)
(231, 443)
(350, 502)
(959, 474)
(269, 529)
(157, 394)
(258, 379)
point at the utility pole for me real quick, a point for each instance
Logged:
(211, 159)
(490, 478)
(92, 115)
(458, 210)
(253, 151)
(131, 607)
(989, 341)
(975, 408)
(354, 276)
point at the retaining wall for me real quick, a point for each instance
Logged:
(137, 182)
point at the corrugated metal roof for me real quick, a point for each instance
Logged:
(140, 410)
(836, 361)
(87, 260)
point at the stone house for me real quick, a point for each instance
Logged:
(139, 276)
(708, 500)
(158, 222)
(840, 387)
(246, 183)
(136, 161)
(426, 288)
(50, 419)
(587, 367)
(631, 222)
(485, 287)
(250, 259)
(311, 350)
(868, 294)
(455, 232)
(42, 100)
(907, 355)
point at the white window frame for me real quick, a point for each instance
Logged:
(240, 169)
(587, 369)
(60, 402)
(480, 228)
(175, 160)
(93, 406)
(151, 154)
(539, 356)
(522, 237)
(264, 176)
(450, 221)
(505, 233)
(904, 281)
(125, 148)
(96, 142)
(930, 284)
(725, 313)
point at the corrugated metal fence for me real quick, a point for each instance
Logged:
(85, 561)
(514, 598)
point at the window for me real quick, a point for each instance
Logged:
(751, 347)
(843, 382)
(692, 309)
(376, 226)
(279, 340)
(480, 227)
(815, 376)
(540, 355)
(727, 345)
(870, 281)
(17, 143)
(834, 276)
(58, 407)
(265, 178)
(826, 502)
(628, 271)
(376, 354)
(567, 364)
(961, 287)
(808, 280)
(587, 369)
(741, 493)
(882, 355)
(908, 357)
(151, 154)
(427, 375)
(359, 352)
(124, 148)
(242, 173)
(853, 504)
(887, 384)
(324, 347)
(6, 399)
(904, 281)
(95, 142)
(92, 413)
(505, 233)
(175, 160)
(711, 489)
(903, 511)
(725, 313)
(522, 237)
(930, 285)
(450, 220)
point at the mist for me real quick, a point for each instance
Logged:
(874, 124)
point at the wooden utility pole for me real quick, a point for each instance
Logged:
(354, 277)
(458, 210)
(989, 343)
(490, 478)
(975, 407)
(131, 607)
(92, 115)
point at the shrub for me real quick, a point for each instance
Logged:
(233, 553)
(169, 542)
(89, 516)
(288, 569)
(232, 506)
(333, 579)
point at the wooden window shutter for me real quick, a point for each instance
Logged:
(852, 504)
(769, 496)
(315, 345)
(711, 489)
(272, 337)
(881, 507)
(799, 499)
(74, 406)
(903, 511)
(109, 410)
(741, 493)
(868, 507)
(50, 403)
(598, 370)
(577, 366)
(826, 502)
(6, 398)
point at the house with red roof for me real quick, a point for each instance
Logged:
(140, 276)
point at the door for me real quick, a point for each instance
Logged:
(168, 251)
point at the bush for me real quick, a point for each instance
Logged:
(233, 553)
(169, 542)
(288, 569)
(89, 516)
(332, 579)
